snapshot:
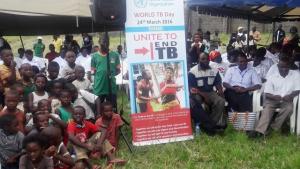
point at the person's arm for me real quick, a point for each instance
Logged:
(273, 97)
(101, 140)
(59, 122)
(32, 108)
(76, 142)
(64, 157)
(23, 162)
(252, 88)
(290, 97)
(13, 77)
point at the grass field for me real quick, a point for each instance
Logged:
(233, 150)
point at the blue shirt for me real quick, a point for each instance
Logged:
(204, 80)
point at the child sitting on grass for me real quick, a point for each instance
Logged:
(112, 122)
(66, 108)
(55, 89)
(81, 83)
(10, 142)
(27, 78)
(57, 150)
(40, 82)
(11, 102)
(86, 139)
(34, 158)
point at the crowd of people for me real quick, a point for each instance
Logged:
(45, 122)
(222, 83)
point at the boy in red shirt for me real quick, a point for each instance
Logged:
(86, 138)
(111, 122)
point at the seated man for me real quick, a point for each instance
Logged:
(239, 81)
(280, 90)
(202, 80)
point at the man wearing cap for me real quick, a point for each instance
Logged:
(217, 63)
(202, 80)
(39, 47)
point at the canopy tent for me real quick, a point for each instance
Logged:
(257, 10)
(36, 17)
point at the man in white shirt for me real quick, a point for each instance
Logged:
(84, 60)
(273, 52)
(34, 61)
(239, 81)
(61, 61)
(280, 90)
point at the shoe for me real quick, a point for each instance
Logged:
(254, 134)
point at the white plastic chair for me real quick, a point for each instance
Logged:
(295, 117)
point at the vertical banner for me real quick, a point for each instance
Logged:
(156, 53)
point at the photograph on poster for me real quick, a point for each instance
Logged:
(158, 86)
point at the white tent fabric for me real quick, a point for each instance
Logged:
(47, 7)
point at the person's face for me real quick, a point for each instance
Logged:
(196, 38)
(104, 48)
(26, 71)
(78, 115)
(53, 73)
(79, 73)
(120, 48)
(39, 40)
(169, 74)
(57, 87)
(256, 60)
(148, 75)
(21, 52)
(12, 128)
(42, 121)
(29, 56)
(84, 52)
(40, 83)
(65, 98)
(240, 30)
(20, 91)
(51, 48)
(283, 68)
(108, 111)
(44, 106)
(34, 151)
(11, 101)
(203, 61)
(7, 57)
(242, 63)
(70, 57)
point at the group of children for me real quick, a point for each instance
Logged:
(45, 123)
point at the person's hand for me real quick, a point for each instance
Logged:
(196, 45)
(90, 147)
(236, 89)
(243, 90)
(288, 98)
(51, 151)
(277, 98)
(194, 90)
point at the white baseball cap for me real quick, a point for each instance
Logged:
(39, 37)
(240, 27)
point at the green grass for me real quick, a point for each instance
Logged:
(233, 150)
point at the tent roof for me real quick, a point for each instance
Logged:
(48, 17)
(258, 10)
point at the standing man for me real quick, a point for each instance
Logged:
(39, 47)
(100, 70)
(280, 89)
(279, 34)
(202, 80)
(57, 42)
(239, 81)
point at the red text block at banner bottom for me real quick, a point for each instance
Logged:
(161, 125)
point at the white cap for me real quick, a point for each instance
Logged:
(240, 27)
(39, 37)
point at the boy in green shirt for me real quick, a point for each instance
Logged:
(101, 81)
(39, 47)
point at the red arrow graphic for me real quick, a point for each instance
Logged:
(141, 51)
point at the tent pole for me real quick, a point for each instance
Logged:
(248, 27)
(22, 42)
(273, 31)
